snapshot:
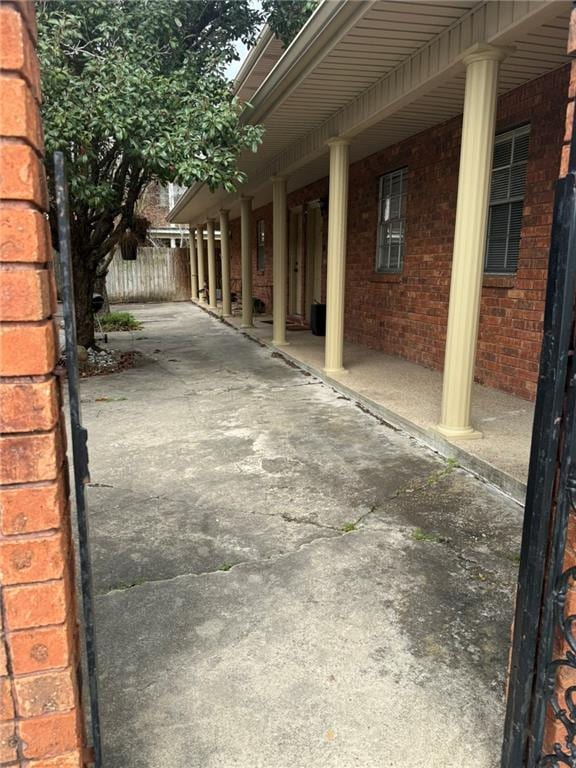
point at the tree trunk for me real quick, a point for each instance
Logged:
(84, 278)
(100, 287)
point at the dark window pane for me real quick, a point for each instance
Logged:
(521, 148)
(497, 238)
(517, 180)
(502, 153)
(500, 185)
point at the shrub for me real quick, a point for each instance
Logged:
(120, 321)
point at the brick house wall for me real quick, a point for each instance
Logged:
(406, 314)
(151, 207)
(40, 718)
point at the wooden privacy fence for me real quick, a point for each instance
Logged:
(158, 274)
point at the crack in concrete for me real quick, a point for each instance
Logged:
(257, 561)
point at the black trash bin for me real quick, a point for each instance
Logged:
(318, 319)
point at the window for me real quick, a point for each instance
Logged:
(260, 240)
(391, 221)
(506, 201)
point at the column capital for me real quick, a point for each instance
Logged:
(246, 197)
(224, 211)
(485, 52)
(338, 141)
(211, 220)
(276, 177)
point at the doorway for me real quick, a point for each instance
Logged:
(313, 290)
(295, 262)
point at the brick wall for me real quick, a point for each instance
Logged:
(406, 314)
(151, 208)
(262, 282)
(39, 700)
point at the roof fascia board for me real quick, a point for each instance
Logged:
(331, 20)
(490, 22)
(254, 55)
(327, 25)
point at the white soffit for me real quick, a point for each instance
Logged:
(394, 73)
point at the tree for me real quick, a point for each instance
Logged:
(134, 91)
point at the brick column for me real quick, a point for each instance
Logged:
(39, 698)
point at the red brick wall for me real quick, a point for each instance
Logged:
(262, 282)
(406, 314)
(39, 700)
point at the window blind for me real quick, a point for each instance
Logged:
(507, 188)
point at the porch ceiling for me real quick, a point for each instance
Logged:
(389, 71)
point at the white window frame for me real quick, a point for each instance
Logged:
(509, 200)
(387, 223)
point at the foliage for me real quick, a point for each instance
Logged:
(135, 91)
(120, 321)
(286, 17)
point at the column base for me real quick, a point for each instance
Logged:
(335, 371)
(213, 307)
(280, 343)
(227, 314)
(458, 433)
(247, 325)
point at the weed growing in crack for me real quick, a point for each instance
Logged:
(419, 535)
(124, 585)
(349, 527)
(225, 566)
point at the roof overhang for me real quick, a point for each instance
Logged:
(377, 72)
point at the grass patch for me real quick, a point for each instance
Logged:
(225, 566)
(419, 535)
(349, 527)
(120, 321)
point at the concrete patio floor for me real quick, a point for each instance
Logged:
(409, 396)
(283, 580)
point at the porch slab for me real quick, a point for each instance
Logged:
(284, 581)
(408, 396)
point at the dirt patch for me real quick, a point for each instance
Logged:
(102, 362)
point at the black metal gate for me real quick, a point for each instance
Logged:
(544, 642)
(79, 448)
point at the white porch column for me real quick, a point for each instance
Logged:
(279, 260)
(246, 256)
(200, 254)
(211, 264)
(193, 265)
(225, 258)
(336, 267)
(477, 145)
